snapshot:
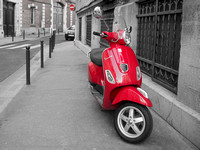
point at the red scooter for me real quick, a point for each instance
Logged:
(115, 79)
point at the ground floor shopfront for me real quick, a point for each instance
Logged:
(165, 38)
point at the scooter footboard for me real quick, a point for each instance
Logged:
(131, 93)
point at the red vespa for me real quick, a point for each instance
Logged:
(115, 81)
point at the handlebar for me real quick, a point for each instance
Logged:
(96, 33)
(102, 35)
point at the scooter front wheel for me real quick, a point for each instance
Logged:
(133, 122)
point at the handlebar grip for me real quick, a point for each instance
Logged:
(96, 33)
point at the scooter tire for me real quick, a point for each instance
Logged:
(148, 123)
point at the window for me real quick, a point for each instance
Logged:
(32, 15)
(158, 40)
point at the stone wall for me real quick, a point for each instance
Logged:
(189, 67)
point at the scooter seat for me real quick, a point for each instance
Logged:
(96, 56)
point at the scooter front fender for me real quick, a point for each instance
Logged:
(130, 93)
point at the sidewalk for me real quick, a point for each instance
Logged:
(57, 111)
(8, 40)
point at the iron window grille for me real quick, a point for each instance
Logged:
(80, 28)
(89, 29)
(158, 40)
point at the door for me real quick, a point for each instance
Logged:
(8, 18)
(58, 17)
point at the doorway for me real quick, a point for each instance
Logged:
(8, 18)
(58, 17)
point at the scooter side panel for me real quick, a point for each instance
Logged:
(130, 93)
(95, 74)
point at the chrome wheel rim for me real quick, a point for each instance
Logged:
(131, 121)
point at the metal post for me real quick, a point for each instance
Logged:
(13, 37)
(54, 38)
(52, 43)
(28, 65)
(24, 34)
(42, 54)
(50, 46)
(44, 31)
(38, 32)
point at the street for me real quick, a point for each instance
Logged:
(13, 56)
(57, 111)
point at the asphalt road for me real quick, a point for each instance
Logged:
(13, 56)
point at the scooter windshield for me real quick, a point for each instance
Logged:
(119, 24)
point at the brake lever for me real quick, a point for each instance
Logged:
(103, 35)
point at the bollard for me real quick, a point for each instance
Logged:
(28, 65)
(38, 32)
(42, 54)
(12, 37)
(44, 31)
(24, 34)
(54, 38)
(50, 47)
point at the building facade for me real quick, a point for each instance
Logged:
(32, 16)
(165, 39)
(45, 15)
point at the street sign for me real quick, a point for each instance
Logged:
(72, 7)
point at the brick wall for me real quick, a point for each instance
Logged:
(26, 15)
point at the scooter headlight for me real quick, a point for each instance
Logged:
(127, 37)
(139, 75)
(124, 67)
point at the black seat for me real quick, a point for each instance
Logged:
(96, 56)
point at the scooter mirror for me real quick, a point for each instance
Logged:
(97, 12)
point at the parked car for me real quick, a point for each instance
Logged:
(70, 33)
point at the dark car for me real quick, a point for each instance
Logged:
(70, 33)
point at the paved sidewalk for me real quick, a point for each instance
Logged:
(57, 111)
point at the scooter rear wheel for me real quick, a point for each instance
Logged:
(133, 122)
